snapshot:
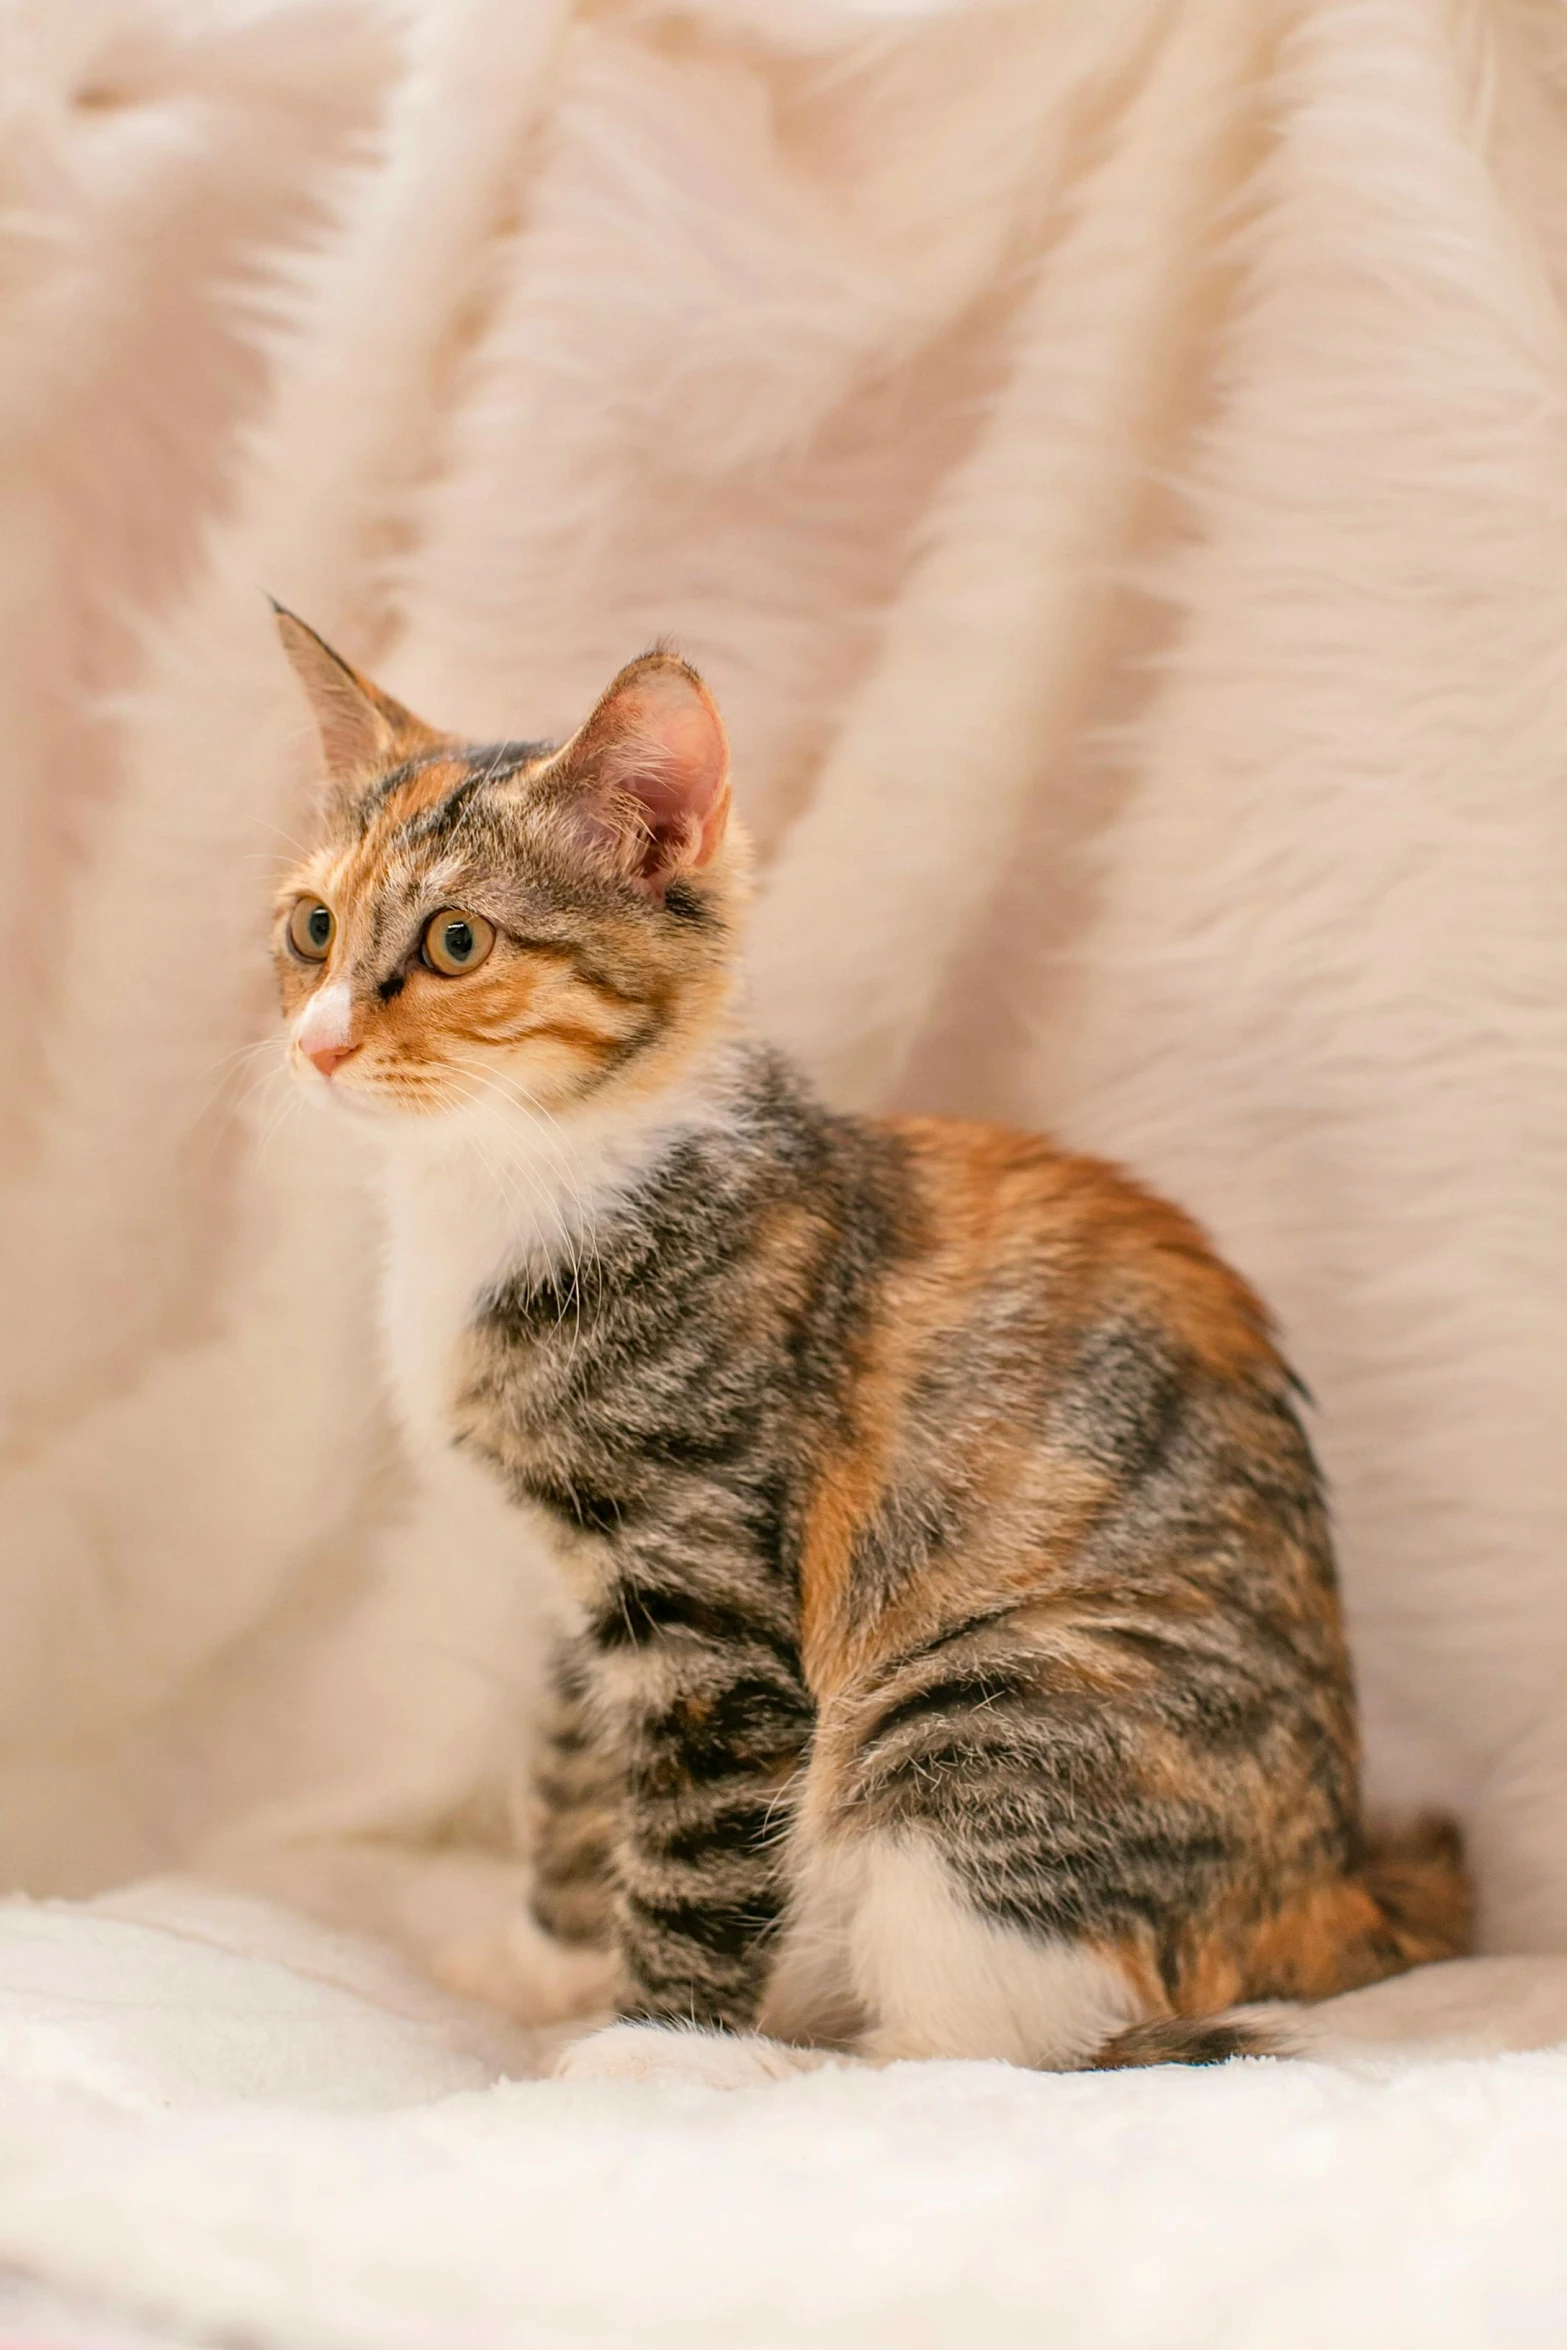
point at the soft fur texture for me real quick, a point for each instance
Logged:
(220, 2125)
(1108, 463)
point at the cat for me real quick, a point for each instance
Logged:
(959, 1670)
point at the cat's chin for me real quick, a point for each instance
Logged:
(378, 1105)
(430, 1118)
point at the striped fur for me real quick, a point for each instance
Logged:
(962, 1669)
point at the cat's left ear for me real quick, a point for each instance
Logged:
(647, 778)
(362, 729)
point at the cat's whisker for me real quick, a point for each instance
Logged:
(287, 1108)
(301, 848)
(257, 1089)
(207, 1085)
(204, 1127)
(225, 1062)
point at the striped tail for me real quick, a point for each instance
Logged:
(1192, 2039)
(1411, 1904)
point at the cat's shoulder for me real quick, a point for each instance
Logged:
(1019, 1202)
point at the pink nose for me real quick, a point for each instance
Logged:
(328, 1056)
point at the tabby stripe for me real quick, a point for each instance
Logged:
(636, 1615)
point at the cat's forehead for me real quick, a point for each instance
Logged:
(427, 800)
(426, 796)
(430, 820)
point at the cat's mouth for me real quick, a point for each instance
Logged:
(352, 1082)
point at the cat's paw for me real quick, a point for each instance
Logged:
(518, 1967)
(677, 2052)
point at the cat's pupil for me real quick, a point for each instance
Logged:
(319, 926)
(457, 938)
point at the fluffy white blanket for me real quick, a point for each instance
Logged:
(221, 2124)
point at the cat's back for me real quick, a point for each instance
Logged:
(1014, 1235)
(1062, 1391)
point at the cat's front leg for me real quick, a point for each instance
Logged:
(716, 1726)
(531, 1974)
(559, 1959)
(579, 1792)
(659, 2053)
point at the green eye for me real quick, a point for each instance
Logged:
(455, 942)
(311, 929)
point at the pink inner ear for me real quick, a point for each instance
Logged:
(666, 755)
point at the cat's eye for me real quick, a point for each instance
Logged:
(310, 930)
(455, 942)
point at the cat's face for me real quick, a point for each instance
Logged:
(510, 923)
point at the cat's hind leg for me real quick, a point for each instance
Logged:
(937, 1978)
(926, 1975)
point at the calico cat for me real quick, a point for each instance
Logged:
(960, 1669)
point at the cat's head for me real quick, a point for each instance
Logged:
(510, 922)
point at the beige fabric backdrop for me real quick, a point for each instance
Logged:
(1112, 464)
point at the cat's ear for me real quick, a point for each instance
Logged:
(647, 778)
(361, 728)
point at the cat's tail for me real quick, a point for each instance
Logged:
(1416, 1874)
(1196, 2039)
(1409, 1905)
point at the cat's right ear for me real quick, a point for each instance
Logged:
(362, 729)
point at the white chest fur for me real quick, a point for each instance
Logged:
(452, 1231)
(474, 1199)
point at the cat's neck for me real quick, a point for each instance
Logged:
(504, 1189)
(513, 1184)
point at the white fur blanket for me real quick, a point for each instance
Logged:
(218, 2123)
(1110, 463)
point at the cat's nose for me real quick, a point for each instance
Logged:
(325, 1034)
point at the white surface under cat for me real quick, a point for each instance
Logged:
(219, 2123)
